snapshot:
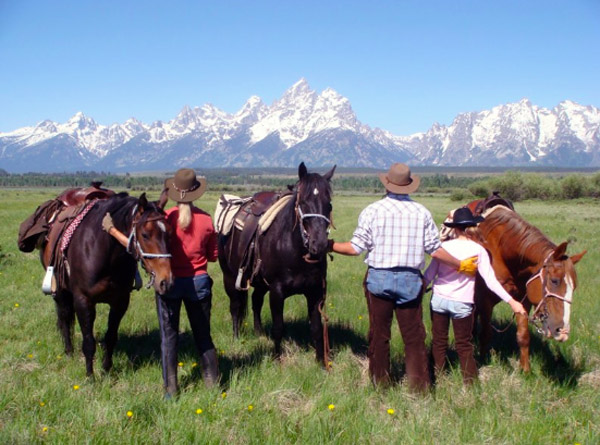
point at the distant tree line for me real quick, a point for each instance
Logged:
(514, 185)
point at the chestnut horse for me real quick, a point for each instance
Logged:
(290, 258)
(100, 270)
(533, 270)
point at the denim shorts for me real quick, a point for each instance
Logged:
(401, 285)
(194, 288)
(454, 309)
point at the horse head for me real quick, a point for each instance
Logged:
(552, 290)
(152, 232)
(313, 210)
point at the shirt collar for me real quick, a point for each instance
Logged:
(398, 197)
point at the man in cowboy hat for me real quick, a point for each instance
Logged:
(193, 243)
(396, 232)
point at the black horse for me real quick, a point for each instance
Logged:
(99, 269)
(289, 258)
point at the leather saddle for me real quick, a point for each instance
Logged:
(77, 196)
(247, 221)
(491, 201)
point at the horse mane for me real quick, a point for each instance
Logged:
(517, 232)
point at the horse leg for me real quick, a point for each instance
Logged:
(238, 302)
(313, 299)
(523, 341)
(65, 318)
(117, 311)
(258, 298)
(86, 314)
(276, 303)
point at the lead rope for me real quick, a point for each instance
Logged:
(325, 319)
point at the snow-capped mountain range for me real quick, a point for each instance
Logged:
(304, 125)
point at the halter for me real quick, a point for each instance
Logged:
(135, 249)
(302, 216)
(539, 315)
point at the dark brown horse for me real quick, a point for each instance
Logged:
(100, 270)
(533, 270)
(288, 258)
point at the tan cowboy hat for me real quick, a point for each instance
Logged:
(399, 180)
(185, 186)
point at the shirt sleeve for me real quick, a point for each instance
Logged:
(362, 239)
(431, 271)
(484, 267)
(431, 236)
(212, 248)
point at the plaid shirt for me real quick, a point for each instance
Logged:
(396, 232)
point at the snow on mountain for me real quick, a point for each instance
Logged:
(320, 128)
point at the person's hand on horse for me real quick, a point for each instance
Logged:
(107, 223)
(517, 307)
(468, 266)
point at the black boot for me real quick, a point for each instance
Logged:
(210, 367)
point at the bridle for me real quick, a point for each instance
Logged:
(300, 217)
(540, 314)
(135, 249)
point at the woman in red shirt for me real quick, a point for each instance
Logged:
(193, 244)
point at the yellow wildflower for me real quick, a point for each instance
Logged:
(75, 387)
(391, 411)
(331, 407)
(130, 414)
(199, 411)
(250, 408)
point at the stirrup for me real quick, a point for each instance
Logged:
(49, 283)
(238, 281)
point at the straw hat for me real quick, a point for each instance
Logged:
(399, 180)
(185, 186)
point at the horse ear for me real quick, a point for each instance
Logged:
(143, 201)
(302, 171)
(162, 201)
(560, 251)
(329, 174)
(575, 258)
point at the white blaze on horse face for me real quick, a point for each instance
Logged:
(162, 226)
(315, 191)
(567, 306)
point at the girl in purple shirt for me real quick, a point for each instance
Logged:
(453, 294)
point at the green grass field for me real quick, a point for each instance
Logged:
(45, 396)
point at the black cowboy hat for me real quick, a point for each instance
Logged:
(464, 218)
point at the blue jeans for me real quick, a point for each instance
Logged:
(191, 288)
(454, 309)
(399, 284)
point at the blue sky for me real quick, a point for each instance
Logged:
(403, 65)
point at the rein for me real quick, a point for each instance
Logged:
(134, 247)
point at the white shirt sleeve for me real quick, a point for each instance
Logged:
(484, 267)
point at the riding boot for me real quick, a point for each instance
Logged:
(210, 367)
(168, 321)
(439, 344)
(463, 333)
